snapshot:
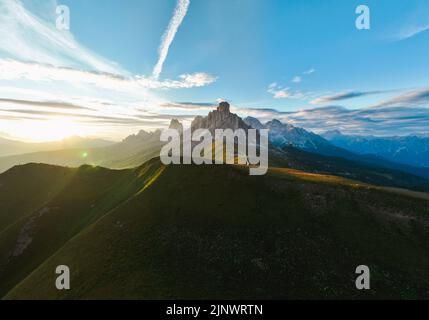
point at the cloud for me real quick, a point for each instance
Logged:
(411, 31)
(309, 71)
(15, 70)
(52, 110)
(168, 37)
(40, 52)
(344, 96)
(59, 77)
(297, 79)
(47, 104)
(417, 97)
(382, 121)
(27, 37)
(280, 92)
(189, 106)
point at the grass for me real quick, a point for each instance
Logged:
(215, 232)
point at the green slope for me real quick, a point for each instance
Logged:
(81, 197)
(216, 232)
(23, 189)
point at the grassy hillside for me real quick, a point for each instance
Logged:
(81, 196)
(357, 170)
(135, 150)
(216, 232)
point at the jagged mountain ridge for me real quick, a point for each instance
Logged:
(411, 150)
(221, 118)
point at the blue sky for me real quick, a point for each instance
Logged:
(291, 56)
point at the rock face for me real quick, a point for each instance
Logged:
(221, 118)
(223, 107)
(254, 123)
(175, 124)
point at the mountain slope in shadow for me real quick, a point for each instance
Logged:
(215, 232)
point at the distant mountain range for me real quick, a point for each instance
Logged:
(10, 147)
(290, 146)
(284, 134)
(132, 151)
(411, 150)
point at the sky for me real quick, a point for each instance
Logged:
(135, 64)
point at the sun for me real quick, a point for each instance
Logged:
(48, 130)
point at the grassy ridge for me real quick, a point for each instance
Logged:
(82, 196)
(215, 232)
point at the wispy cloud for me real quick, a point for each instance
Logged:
(297, 79)
(27, 37)
(54, 55)
(168, 37)
(46, 104)
(419, 97)
(189, 106)
(411, 31)
(383, 121)
(49, 79)
(15, 70)
(309, 71)
(279, 92)
(137, 118)
(344, 96)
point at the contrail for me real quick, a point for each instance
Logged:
(168, 37)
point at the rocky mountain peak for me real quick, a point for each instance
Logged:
(254, 123)
(274, 123)
(223, 107)
(221, 118)
(176, 125)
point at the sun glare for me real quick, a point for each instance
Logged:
(48, 130)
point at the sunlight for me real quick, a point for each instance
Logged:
(47, 130)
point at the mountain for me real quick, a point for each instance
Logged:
(221, 234)
(410, 150)
(284, 134)
(152, 231)
(176, 125)
(14, 147)
(130, 152)
(317, 155)
(221, 118)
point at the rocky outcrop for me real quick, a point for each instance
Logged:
(176, 125)
(254, 123)
(221, 118)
